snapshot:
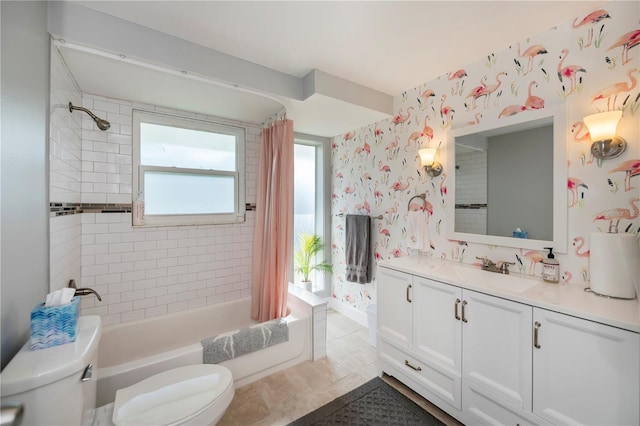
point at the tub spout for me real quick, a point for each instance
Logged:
(83, 291)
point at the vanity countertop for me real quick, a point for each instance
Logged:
(570, 299)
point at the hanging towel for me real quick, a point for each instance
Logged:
(358, 248)
(418, 230)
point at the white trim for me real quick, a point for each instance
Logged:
(349, 312)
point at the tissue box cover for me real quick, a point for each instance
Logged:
(55, 325)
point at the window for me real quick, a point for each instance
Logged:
(311, 200)
(189, 171)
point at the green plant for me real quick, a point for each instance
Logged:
(309, 246)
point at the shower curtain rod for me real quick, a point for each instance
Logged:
(379, 217)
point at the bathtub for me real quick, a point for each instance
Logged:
(133, 351)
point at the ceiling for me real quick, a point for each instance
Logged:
(386, 46)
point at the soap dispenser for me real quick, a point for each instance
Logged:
(550, 267)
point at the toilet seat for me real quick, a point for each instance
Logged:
(177, 396)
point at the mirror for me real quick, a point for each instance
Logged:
(510, 175)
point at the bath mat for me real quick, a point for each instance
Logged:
(230, 345)
(374, 403)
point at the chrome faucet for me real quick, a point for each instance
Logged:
(501, 267)
(83, 291)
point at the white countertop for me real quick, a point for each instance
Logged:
(568, 299)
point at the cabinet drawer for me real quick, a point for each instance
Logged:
(441, 383)
(480, 409)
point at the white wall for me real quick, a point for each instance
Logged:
(24, 222)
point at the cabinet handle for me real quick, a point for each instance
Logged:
(406, 362)
(408, 289)
(464, 318)
(455, 312)
(536, 327)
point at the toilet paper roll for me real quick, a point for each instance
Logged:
(614, 264)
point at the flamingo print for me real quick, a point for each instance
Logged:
(568, 71)
(476, 120)
(511, 110)
(446, 112)
(384, 168)
(350, 189)
(426, 132)
(383, 231)
(392, 148)
(400, 118)
(377, 195)
(443, 187)
(616, 215)
(456, 76)
(533, 102)
(615, 89)
(349, 135)
(475, 92)
(488, 90)
(580, 132)
(530, 53)
(399, 186)
(534, 257)
(578, 243)
(366, 148)
(627, 41)
(630, 168)
(364, 206)
(590, 20)
(573, 184)
(566, 277)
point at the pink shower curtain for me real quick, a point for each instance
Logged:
(274, 223)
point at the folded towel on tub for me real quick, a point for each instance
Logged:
(230, 345)
(358, 248)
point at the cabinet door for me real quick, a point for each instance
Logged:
(437, 336)
(496, 358)
(394, 305)
(585, 372)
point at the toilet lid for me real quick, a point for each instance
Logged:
(171, 396)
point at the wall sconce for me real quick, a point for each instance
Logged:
(602, 128)
(427, 155)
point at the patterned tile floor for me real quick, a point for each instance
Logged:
(285, 396)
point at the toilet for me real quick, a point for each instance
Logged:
(57, 386)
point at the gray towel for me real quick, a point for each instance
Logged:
(358, 248)
(233, 344)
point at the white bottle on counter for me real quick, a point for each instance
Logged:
(550, 267)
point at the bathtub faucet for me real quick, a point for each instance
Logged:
(83, 291)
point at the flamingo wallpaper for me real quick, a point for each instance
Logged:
(591, 64)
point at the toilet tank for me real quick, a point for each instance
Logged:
(57, 385)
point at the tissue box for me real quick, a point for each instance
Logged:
(55, 325)
(521, 234)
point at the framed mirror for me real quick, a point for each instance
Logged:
(508, 181)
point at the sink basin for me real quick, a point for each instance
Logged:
(510, 283)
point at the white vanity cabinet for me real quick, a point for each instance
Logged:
(486, 359)
(444, 337)
(584, 372)
(496, 358)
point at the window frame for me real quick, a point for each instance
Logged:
(237, 216)
(322, 203)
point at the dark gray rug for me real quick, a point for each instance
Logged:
(374, 403)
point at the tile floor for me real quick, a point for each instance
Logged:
(285, 396)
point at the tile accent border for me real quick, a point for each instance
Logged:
(64, 209)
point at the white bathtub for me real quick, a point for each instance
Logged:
(133, 351)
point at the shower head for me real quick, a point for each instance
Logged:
(102, 124)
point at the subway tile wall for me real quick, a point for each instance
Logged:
(65, 146)
(144, 272)
(471, 188)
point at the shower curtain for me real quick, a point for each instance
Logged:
(274, 222)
